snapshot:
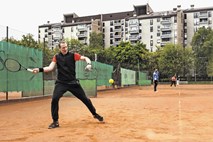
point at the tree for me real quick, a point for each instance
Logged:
(127, 55)
(208, 50)
(96, 40)
(174, 59)
(202, 46)
(26, 41)
(74, 45)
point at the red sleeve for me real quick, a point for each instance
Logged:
(54, 58)
(77, 56)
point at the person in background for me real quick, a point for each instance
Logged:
(178, 80)
(173, 81)
(66, 81)
(155, 79)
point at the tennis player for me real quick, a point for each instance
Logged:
(155, 79)
(66, 81)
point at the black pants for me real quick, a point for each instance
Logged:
(155, 85)
(76, 90)
(173, 82)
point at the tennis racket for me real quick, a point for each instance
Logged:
(13, 65)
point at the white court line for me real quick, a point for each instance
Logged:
(179, 116)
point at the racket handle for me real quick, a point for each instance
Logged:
(30, 70)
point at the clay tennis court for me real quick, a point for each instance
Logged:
(133, 114)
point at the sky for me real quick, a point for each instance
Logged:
(24, 16)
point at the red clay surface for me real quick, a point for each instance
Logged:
(133, 114)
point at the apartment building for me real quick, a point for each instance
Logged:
(194, 18)
(141, 24)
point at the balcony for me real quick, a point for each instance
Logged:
(166, 22)
(166, 36)
(163, 43)
(56, 36)
(117, 36)
(134, 37)
(117, 30)
(82, 35)
(133, 29)
(82, 27)
(203, 22)
(134, 22)
(116, 43)
(117, 23)
(83, 41)
(166, 29)
(203, 15)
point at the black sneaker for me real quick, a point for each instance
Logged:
(97, 116)
(53, 125)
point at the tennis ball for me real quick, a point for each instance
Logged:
(111, 81)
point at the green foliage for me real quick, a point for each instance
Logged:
(96, 40)
(174, 59)
(202, 45)
(74, 45)
(26, 41)
(127, 55)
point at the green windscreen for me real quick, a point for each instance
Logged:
(143, 79)
(22, 80)
(101, 72)
(128, 77)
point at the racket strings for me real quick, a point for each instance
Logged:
(12, 65)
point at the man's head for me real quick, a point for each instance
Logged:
(63, 47)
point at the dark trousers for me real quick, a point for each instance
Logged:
(76, 90)
(155, 85)
(173, 82)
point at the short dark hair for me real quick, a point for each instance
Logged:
(61, 42)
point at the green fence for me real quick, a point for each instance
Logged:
(100, 72)
(89, 87)
(21, 80)
(128, 77)
(143, 79)
(89, 80)
(33, 84)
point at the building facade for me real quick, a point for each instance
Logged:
(141, 24)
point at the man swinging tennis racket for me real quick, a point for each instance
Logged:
(66, 81)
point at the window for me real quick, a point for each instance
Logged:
(195, 15)
(111, 23)
(151, 22)
(158, 34)
(175, 19)
(209, 14)
(111, 30)
(111, 35)
(151, 42)
(151, 29)
(185, 16)
(158, 19)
